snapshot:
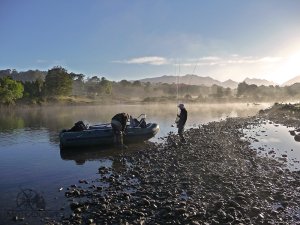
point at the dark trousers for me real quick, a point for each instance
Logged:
(180, 133)
(118, 134)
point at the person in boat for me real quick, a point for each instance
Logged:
(134, 122)
(118, 124)
(182, 117)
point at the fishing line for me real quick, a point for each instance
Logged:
(177, 81)
(177, 98)
(195, 68)
(189, 80)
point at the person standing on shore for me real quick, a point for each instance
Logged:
(181, 121)
(118, 124)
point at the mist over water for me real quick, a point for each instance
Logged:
(29, 143)
(55, 118)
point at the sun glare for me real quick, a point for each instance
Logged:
(292, 65)
(289, 68)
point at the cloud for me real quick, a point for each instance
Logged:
(271, 59)
(151, 60)
(202, 61)
(231, 60)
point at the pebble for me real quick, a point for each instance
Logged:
(217, 178)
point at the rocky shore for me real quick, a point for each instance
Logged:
(286, 114)
(215, 178)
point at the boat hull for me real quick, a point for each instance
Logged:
(103, 135)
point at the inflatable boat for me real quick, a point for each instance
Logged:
(102, 134)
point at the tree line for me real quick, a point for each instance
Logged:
(57, 83)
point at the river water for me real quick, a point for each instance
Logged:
(33, 167)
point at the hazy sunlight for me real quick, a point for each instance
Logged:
(289, 68)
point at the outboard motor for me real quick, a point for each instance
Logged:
(78, 126)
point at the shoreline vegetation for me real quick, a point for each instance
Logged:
(58, 86)
(216, 178)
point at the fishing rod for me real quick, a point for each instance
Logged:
(177, 83)
(177, 92)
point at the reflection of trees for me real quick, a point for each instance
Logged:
(11, 123)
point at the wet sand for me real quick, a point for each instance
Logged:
(215, 178)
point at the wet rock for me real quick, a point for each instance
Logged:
(215, 179)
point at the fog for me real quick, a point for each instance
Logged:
(56, 118)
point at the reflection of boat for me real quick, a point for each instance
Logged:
(102, 135)
(97, 153)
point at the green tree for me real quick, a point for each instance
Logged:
(147, 87)
(125, 83)
(217, 91)
(33, 89)
(242, 88)
(58, 82)
(137, 83)
(106, 86)
(78, 84)
(10, 90)
(93, 87)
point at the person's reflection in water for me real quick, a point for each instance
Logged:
(80, 161)
(118, 164)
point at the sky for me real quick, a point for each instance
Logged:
(136, 39)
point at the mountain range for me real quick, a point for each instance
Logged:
(292, 81)
(189, 79)
(192, 79)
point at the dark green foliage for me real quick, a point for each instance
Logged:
(58, 82)
(34, 89)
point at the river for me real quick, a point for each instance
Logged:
(32, 165)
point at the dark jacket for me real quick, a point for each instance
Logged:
(182, 117)
(122, 118)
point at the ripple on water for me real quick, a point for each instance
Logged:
(24, 136)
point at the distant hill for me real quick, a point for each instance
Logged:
(259, 82)
(191, 80)
(292, 81)
(230, 83)
(206, 81)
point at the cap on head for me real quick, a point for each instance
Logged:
(181, 106)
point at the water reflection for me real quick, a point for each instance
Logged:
(275, 141)
(55, 118)
(81, 156)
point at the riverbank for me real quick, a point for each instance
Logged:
(216, 178)
(107, 100)
(286, 114)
